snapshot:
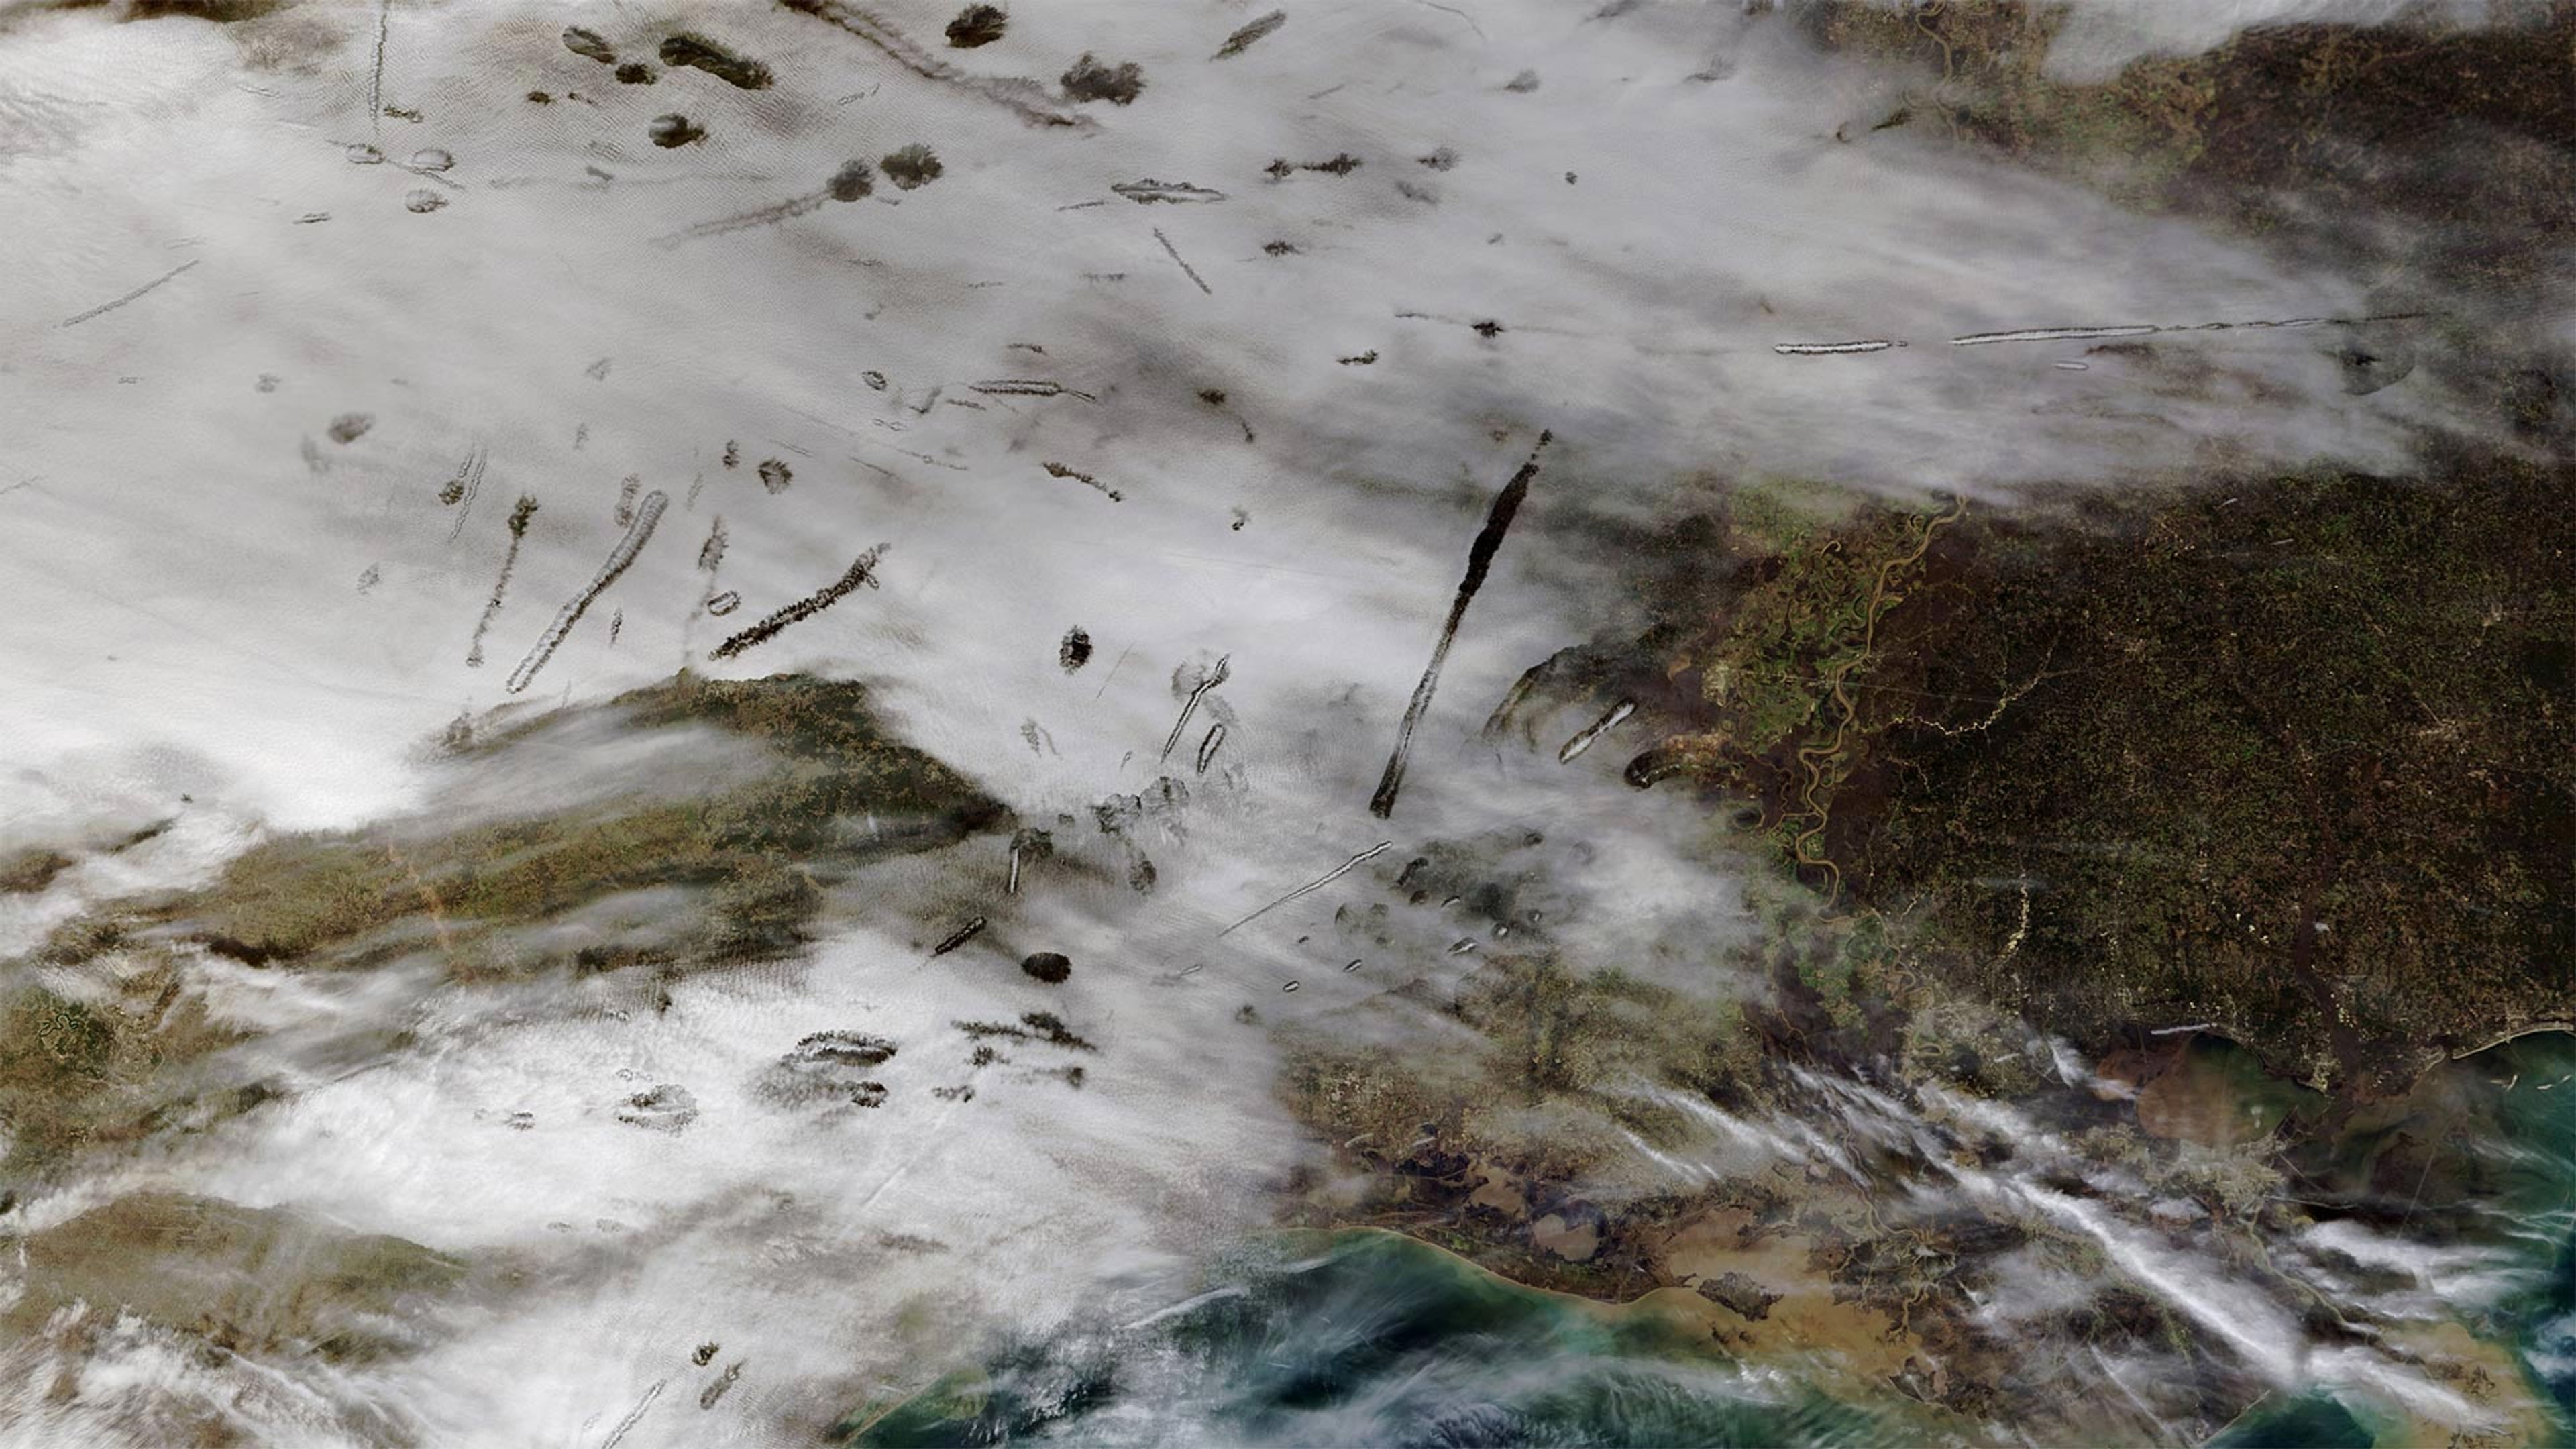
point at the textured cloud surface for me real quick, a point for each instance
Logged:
(305, 306)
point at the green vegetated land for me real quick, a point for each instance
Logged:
(756, 844)
(2467, 132)
(2292, 756)
(2287, 758)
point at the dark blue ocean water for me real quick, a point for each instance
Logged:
(1369, 1338)
(2539, 1161)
